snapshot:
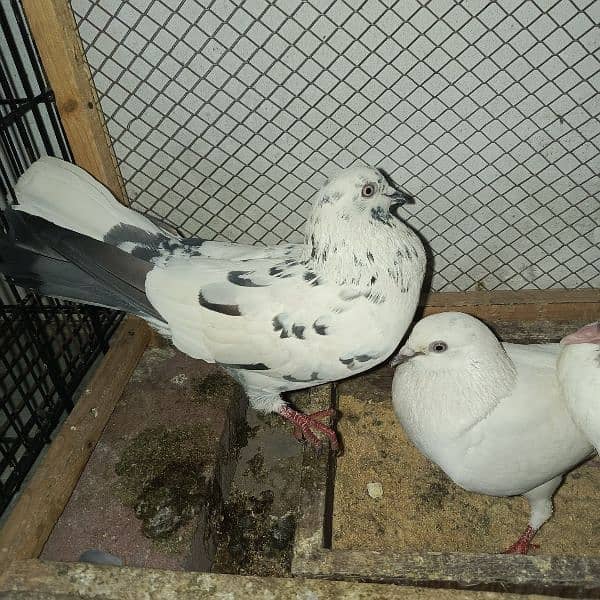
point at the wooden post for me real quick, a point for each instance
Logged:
(45, 496)
(55, 34)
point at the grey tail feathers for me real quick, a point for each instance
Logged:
(36, 254)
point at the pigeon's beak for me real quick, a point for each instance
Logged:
(399, 197)
(404, 355)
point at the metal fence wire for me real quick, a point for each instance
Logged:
(46, 346)
(227, 116)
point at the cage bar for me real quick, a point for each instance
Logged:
(47, 346)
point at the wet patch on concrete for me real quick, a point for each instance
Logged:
(254, 540)
(259, 518)
(165, 477)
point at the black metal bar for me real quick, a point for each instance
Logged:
(74, 309)
(46, 345)
(41, 341)
(24, 107)
(35, 68)
(8, 84)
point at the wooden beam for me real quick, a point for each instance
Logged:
(62, 581)
(565, 576)
(524, 316)
(55, 34)
(43, 499)
(503, 297)
(317, 476)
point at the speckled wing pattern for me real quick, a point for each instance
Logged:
(158, 244)
(297, 327)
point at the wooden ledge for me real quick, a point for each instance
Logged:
(504, 297)
(37, 579)
(523, 316)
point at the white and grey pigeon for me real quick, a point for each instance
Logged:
(278, 318)
(579, 377)
(490, 415)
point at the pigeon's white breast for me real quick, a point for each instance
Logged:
(524, 440)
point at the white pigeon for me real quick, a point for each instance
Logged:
(489, 414)
(579, 377)
(277, 318)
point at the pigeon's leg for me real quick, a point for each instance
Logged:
(540, 505)
(305, 426)
(523, 544)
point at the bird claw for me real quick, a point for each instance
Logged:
(523, 544)
(305, 427)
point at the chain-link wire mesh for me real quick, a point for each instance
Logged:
(227, 116)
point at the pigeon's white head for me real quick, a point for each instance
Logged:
(360, 194)
(449, 340)
(452, 366)
(354, 234)
(579, 349)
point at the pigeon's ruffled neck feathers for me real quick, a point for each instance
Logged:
(379, 253)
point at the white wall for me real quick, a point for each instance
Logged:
(225, 118)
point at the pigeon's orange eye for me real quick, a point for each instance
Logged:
(368, 190)
(438, 347)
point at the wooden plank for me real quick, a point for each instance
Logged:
(564, 576)
(45, 496)
(534, 305)
(313, 532)
(53, 28)
(575, 311)
(36, 579)
(525, 316)
(475, 298)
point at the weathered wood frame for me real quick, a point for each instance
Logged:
(43, 499)
(36, 580)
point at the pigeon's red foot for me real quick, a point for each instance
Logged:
(523, 544)
(306, 425)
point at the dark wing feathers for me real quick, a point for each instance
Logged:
(34, 250)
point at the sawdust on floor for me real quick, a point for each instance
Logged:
(423, 510)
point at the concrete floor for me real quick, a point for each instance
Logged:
(154, 485)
